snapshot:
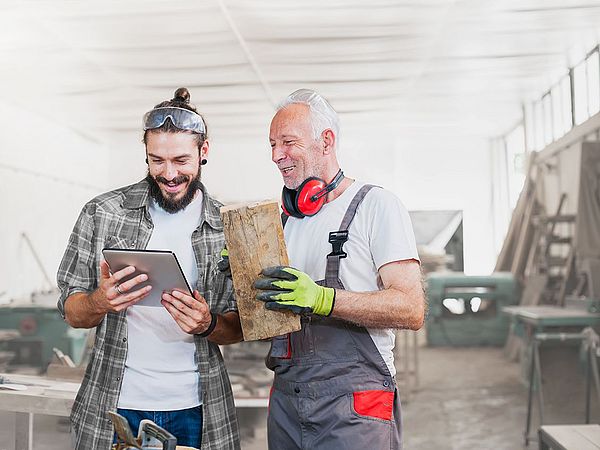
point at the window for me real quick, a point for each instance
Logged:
(538, 116)
(557, 113)
(547, 112)
(580, 88)
(567, 115)
(530, 130)
(516, 157)
(592, 68)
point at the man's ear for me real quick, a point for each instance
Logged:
(328, 141)
(204, 150)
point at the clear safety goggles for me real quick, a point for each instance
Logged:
(182, 118)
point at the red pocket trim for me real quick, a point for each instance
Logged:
(289, 349)
(378, 404)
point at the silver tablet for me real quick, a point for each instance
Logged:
(163, 270)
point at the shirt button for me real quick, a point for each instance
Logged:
(118, 378)
(297, 390)
(386, 383)
(133, 244)
(124, 339)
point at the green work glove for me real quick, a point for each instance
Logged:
(223, 264)
(289, 289)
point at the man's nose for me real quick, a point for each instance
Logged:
(277, 154)
(170, 171)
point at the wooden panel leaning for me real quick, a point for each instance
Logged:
(254, 237)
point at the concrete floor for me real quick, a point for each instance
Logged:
(469, 398)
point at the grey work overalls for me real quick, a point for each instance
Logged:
(332, 389)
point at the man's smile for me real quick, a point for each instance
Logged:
(286, 170)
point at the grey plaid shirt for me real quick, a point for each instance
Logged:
(120, 218)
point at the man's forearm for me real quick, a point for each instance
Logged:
(228, 329)
(81, 311)
(389, 308)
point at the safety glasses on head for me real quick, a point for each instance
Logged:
(182, 118)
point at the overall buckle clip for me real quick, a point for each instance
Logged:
(337, 240)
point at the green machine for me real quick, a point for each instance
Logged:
(467, 310)
(34, 330)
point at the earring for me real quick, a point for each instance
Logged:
(203, 162)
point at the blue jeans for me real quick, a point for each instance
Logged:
(184, 424)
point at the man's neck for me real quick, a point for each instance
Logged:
(339, 190)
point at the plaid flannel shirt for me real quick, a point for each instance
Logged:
(120, 218)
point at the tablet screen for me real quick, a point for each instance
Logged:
(162, 267)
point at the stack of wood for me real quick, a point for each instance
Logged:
(552, 250)
(556, 255)
(519, 238)
(538, 249)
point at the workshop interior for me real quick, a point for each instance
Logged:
(482, 117)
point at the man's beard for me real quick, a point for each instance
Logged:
(168, 204)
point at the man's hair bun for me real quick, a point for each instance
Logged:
(182, 95)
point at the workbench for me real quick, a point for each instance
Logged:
(526, 321)
(55, 398)
(569, 437)
(41, 396)
(539, 318)
(531, 324)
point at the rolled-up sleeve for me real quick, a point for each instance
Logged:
(77, 270)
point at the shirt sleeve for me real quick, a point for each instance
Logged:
(391, 236)
(226, 299)
(77, 269)
(220, 286)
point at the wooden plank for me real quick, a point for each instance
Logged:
(60, 372)
(569, 270)
(523, 241)
(503, 263)
(579, 437)
(255, 241)
(535, 286)
(532, 265)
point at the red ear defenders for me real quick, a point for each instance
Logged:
(310, 196)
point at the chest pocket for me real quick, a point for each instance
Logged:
(323, 339)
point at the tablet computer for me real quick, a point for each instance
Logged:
(162, 267)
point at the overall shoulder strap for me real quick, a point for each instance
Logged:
(332, 271)
(354, 204)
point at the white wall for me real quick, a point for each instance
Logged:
(48, 172)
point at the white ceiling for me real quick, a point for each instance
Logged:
(421, 85)
(456, 67)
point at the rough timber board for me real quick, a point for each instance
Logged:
(254, 237)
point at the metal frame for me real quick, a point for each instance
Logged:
(587, 337)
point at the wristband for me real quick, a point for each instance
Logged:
(211, 327)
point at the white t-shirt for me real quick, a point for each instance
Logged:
(160, 370)
(380, 233)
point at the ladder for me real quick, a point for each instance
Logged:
(553, 253)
